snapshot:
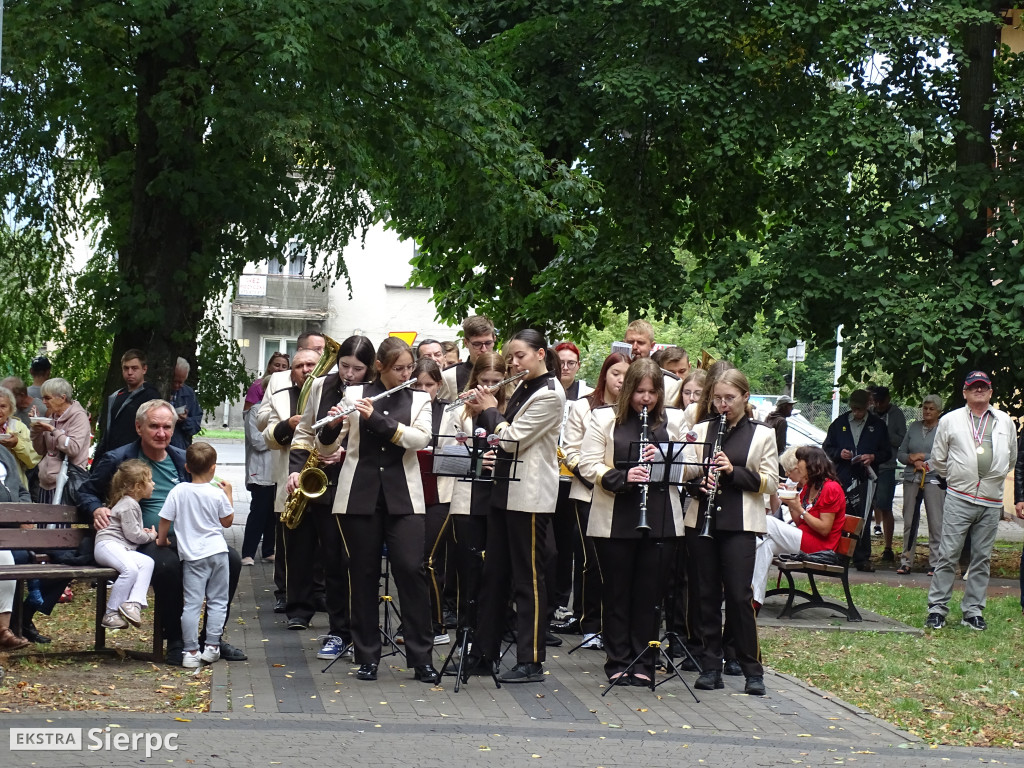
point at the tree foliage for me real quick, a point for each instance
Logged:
(191, 138)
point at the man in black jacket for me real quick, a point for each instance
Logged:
(857, 442)
(154, 425)
(119, 428)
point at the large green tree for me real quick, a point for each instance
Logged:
(821, 163)
(191, 137)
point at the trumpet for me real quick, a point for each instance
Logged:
(466, 397)
(713, 506)
(644, 487)
(317, 426)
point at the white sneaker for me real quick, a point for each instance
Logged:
(248, 561)
(211, 653)
(191, 660)
(562, 613)
(442, 639)
(132, 613)
(593, 642)
(113, 620)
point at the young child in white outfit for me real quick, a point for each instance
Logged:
(200, 510)
(116, 545)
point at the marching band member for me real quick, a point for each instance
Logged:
(471, 500)
(747, 467)
(438, 531)
(640, 336)
(380, 499)
(320, 528)
(587, 594)
(521, 509)
(478, 336)
(633, 559)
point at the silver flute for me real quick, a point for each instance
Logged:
(352, 409)
(466, 397)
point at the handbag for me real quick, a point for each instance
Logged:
(76, 478)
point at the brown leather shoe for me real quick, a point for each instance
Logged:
(10, 641)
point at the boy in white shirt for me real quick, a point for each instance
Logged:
(200, 510)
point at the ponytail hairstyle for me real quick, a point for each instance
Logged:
(715, 372)
(129, 476)
(596, 398)
(388, 353)
(359, 347)
(736, 378)
(536, 341)
(428, 366)
(640, 369)
(490, 361)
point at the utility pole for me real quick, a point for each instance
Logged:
(838, 372)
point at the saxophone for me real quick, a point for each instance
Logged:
(312, 478)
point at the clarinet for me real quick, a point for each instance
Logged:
(644, 487)
(713, 506)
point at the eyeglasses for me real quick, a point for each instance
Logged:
(979, 388)
(568, 364)
(481, 345)
(726, 400)
(403, 368)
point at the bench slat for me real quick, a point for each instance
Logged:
(41, 538)
(55, 571)
(16, 512)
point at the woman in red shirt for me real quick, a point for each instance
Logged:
(818, 515)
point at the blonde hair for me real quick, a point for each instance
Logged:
(642, 326)
(129, 476)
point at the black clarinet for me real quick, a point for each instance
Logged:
(644, 487)
(713, 505)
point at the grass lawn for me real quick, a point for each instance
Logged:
(954, 686)
(211, 433)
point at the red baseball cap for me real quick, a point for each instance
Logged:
(977, 377)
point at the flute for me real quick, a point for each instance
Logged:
(352, 409)
(465, 397)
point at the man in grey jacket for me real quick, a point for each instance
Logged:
(975, 448)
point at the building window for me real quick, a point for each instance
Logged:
(292, 261)
(271, 344)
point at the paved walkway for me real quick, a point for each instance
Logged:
(282, 708)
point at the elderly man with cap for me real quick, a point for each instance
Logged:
(975, 448)
(858, 442)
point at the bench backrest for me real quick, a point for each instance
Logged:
(852, 528)
(15, 513)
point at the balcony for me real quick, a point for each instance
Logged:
(280, 296)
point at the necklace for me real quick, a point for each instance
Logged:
(978, 431)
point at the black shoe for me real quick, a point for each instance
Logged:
(888, 556)
(477, 665)
(526, 672)
(320, 604)
(30, 633)
(570, 626)
(367, 672)
(427, 674)
(867, 567)
(175, 652)
(709, 680)
(280, 605)
(297, 623)
(638, 682)
(675, 647)
(450, 619)
(551, 640)
(755, 686)
(688, 665)
(732, 668)
(228, 652)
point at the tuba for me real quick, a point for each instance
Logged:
(312, 478)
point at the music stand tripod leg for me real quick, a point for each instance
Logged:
(671, 665)
(385, 627)
(669, 636)
(587, 637)
(334, 661)
(462, 646)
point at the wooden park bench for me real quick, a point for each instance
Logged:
(852, 529)
(43, 539)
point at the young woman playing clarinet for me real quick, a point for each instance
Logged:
(633, 525)
(471, 500)
(524, 495)
(587, 595)
(744, 466)
(380, 499)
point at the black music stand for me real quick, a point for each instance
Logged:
(464, 460)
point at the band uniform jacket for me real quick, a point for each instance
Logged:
(468, 497)
(750, 446)
(530, 426)
(441, 423)
(576, 424)
(381, 451)
(673, 386)
(275, 409)
(325, 392)
(608, 450)
(454, 379)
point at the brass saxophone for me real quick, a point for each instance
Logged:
(312, 478)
